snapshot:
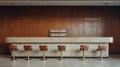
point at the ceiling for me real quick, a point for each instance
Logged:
(59, 2)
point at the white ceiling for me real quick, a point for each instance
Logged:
(59, 2)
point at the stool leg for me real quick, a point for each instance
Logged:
(83, 55)
(13, 55)
(43, 55)
(61, 55)
(28, 52)
(101, 55)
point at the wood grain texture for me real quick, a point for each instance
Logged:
(80, 21)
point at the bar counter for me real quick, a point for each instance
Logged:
(72, 45)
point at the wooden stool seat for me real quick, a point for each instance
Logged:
(43, 48)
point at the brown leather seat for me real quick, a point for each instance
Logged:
(13, 48)
(28, 47)
(43, 48)
(84, 47)
(101, 48)
(61, 48)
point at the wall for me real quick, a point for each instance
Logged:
(80, 21)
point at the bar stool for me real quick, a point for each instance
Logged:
(13, 48)
(61, 48)
(101, 49)
(43, 48)
(84, 48)
(28, 48)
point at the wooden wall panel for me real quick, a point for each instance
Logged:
(80, 21)
(22, 27)
(86, 22)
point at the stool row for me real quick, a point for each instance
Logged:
(61, 48)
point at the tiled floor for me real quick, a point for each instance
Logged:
(112, 61)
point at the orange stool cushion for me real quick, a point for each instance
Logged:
(13, 48)
(43, 48)
(84, 47)
(28, 47)
(100, 48)
(61, 48)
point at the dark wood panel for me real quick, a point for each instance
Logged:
(80, 21)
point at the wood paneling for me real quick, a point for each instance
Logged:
(80, 21)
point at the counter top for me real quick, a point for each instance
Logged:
(59, 39)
